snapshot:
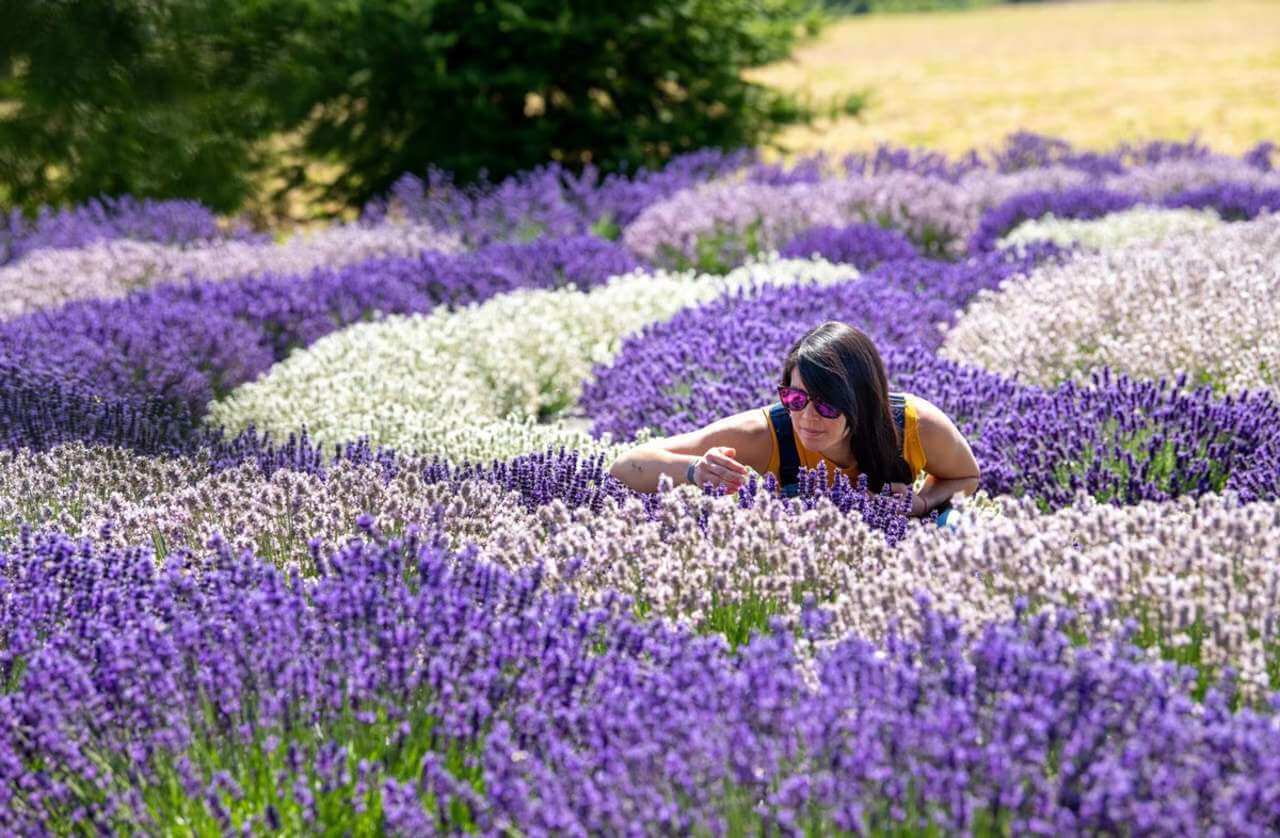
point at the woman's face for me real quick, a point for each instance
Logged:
(816, 431)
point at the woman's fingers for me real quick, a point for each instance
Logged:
(726, 476)
(718, 457)
(718, 467)
(716, 473)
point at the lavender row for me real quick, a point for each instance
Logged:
(94, 369)
(552, 201)
(410, 690)
(1231, 200)
(715, 225)
(1118, 439)
(167, 222)
(1199, 574)
(113, 269)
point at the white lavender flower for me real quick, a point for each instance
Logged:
(1140, 225)
(491, 380)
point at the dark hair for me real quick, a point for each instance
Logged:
(840, 365)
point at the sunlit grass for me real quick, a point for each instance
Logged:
(1096, 74)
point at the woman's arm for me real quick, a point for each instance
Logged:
(949, 461)
(720, 453)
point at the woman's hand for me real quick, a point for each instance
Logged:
(719, 468)
(919, 506)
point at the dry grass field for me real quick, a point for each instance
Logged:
(1095, 73)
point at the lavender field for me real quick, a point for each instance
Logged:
(318, 536)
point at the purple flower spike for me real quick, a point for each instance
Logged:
(167, 222)
(861, 245)
(481, 700)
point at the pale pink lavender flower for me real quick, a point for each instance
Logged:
(936, 214)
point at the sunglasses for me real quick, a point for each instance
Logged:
(795, 400)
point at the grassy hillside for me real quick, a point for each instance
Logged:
(1093, 73)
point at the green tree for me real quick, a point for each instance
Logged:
(158, 98)
(496, 86)
(170, 98)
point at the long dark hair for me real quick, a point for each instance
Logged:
(840, 365)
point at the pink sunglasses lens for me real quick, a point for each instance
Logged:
(825, 410)
(797, 400)
(793, 399)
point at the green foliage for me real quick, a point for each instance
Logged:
(717, 252)
(493, 87)
(739, 620)
(165, 98)
(141, 97)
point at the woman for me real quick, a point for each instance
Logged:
(834, 407)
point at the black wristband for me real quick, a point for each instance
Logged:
(689, 472)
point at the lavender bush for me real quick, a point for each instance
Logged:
(263, 633)
(1080, 203)
(1201, 304)
(109, 219)
(408, 690)
(1119, 439)
(113, 269)
(549, 201)
(186, 344)
(861, 245)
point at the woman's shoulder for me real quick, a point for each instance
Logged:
(911, 400)
(919, 405)
(754, 421)
(752, 433)
(931, 420)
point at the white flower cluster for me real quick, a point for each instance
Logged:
(106, 270)
(1204, 303)
(485, 381)
(1140, 225)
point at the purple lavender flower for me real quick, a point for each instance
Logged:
(477, 699)
(1260, 156)
(861, 245)
(185, 344)
(1079, 203)
(1232, 201)
(168, 222)
(550, 200)
(1028, 150)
